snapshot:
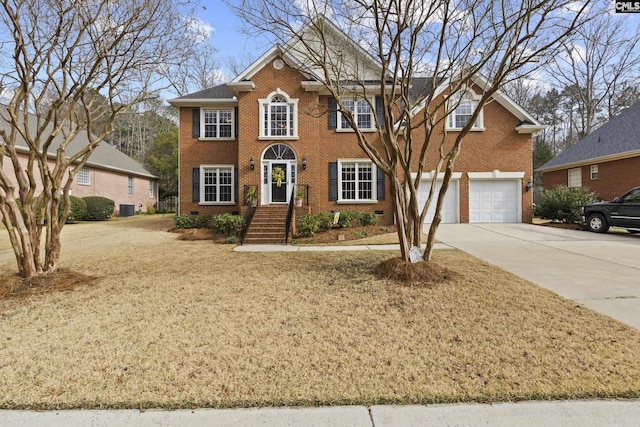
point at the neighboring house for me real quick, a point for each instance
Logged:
(607, 161)
(273, 117)
(108, 173)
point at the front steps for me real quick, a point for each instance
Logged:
(268, 226)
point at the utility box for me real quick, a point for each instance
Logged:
(127, 209)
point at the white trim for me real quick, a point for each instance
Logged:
(217, 138)
(202, 185)
(374, 182)
(496, 174)
(203, 102)
(454, 101)
(292, 103)
(370, 102)
(430, 174)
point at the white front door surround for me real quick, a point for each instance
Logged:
(275, 158)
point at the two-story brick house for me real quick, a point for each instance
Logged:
(274, 127)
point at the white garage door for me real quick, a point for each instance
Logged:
(494, 201)
(449, 207)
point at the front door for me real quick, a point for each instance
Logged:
(279, 182)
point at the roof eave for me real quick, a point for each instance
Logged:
(530, 129)
(591, 161)
(198, 102)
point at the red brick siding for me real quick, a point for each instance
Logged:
(497, 148)
(614, 178)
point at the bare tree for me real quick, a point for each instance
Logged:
(455, 44)
(598, 64)
(73, 66)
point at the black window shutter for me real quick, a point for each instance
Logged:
(236, 184)
(196, 123)
(333, 181)
(333, 113)
(235, 121)
(380, 184)
(379, 112)
(195, 185)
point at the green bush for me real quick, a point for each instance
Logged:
(325, 221)
(98, 208)
(563, 203)
(346, 218)
(308, 225)
(368, 218)
(77, 211)
(184, 221)
(227, 224)
(202, 221)
(151, 210)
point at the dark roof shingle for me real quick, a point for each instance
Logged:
(621, 134)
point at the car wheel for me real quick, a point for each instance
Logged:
(597, 223)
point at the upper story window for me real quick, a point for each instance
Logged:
(362, 113)
(594, 172)
(278, 117)
(574, 178)
(84, 176)
(217, 124)
(461, 107)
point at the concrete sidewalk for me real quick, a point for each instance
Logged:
(549, 414)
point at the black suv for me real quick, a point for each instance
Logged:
(620, 212)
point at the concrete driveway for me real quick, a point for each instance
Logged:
(599, 271)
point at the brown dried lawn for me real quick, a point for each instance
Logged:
(170, 323)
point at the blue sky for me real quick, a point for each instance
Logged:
(227, 36)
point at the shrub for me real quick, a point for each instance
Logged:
(151, 210)
(227, 224)
(368, 218)
(202, 221)
(184, 221)
(98, 208)
(346, 218)
(325, 221)
(563, 203)
(308, 225)
(77, 210)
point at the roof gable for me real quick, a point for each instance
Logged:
(618, 137)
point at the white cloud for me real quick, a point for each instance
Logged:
(200, 30)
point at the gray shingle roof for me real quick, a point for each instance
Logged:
(216, 92)
(104, 156)
(620, 135)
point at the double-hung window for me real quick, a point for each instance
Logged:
(130, 186)
(574, 178)
(278, 117)
(216, 184)
(362, 114)
(152, 192)
(461, 107)
(217, 124)
(84, 176)
(356, 180)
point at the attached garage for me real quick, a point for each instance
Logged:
(451, 206)
(495, 197)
